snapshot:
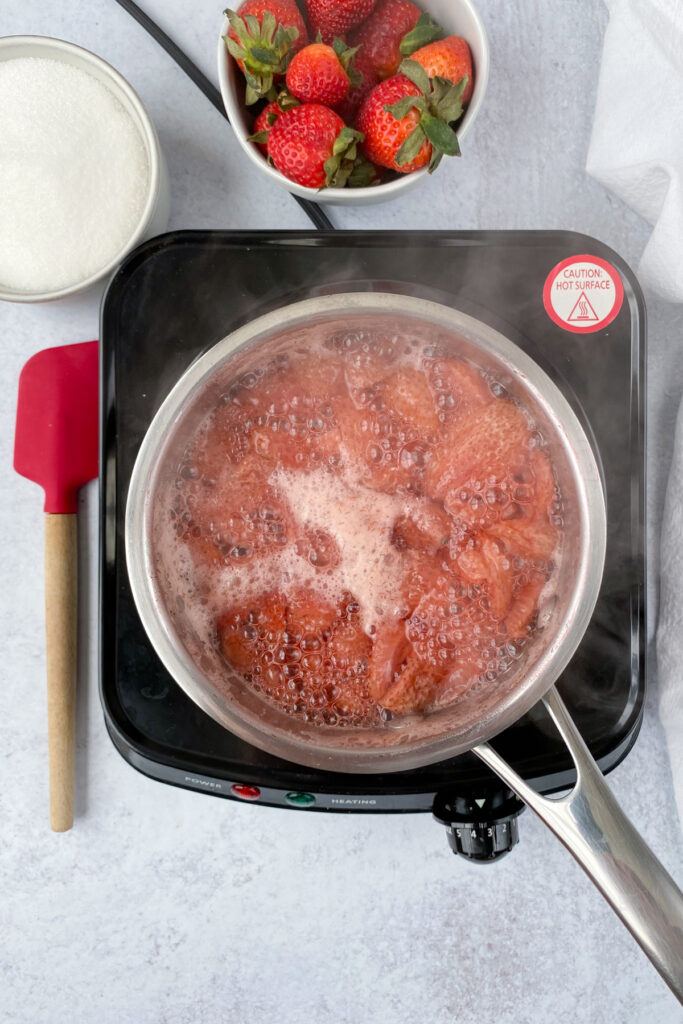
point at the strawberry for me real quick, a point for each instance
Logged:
(385, 135)
(382, 35)
(482, 445)
(524, 607)
(263, 36)
(268, 116)
(381, 45)
(312, 146)
(238, 629)
(426, 528)
(458, 387)
(448, 58)
(335, 17)
(321, 73)
(263, 123)
(406, 120)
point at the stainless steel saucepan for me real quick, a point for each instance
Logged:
(588, 820)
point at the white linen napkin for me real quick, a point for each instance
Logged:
(636, 148)
(670, 628)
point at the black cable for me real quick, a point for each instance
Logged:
(314, 212)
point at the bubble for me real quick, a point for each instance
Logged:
(241, 552)
(412, 455)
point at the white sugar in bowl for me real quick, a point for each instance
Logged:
(82, 176)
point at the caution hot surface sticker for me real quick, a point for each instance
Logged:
(583, 294)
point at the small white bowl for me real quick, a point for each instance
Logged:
(154, 217)
(458, 17)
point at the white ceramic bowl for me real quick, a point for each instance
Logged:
(154, 217)
(458, 17)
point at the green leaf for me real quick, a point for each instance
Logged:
(260, 137)
(417, 75)
(258, 87)
(441, 135)
(448, 107)
(346, 138)
(340, 164)
(355, 77)
(251, 95)
(268, 26)
(264, 56)
(237, 51)
(402, 107)
(440, 89)
(462, 85)
(363, 174)
(286, 101)
(345, 56)
(338, 45)
(253, 25)
(411, 147)
(330, 167)
(238, 27)
(348, 56)
(337, 172)
(285, 38)
(435, 160)
(426, 31)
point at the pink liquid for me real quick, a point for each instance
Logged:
(368, 524)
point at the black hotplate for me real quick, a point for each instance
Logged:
(178, 294)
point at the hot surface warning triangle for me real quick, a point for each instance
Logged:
(583, 312)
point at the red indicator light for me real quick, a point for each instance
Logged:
(245, 792)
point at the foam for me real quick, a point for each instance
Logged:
(361, 522)
(336, 501)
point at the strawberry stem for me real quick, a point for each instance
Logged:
(439, 105)
(339, 167)
(264, 50)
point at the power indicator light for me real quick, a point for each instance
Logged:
(245, 792)
(300, 799)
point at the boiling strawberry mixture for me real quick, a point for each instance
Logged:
(371, 524)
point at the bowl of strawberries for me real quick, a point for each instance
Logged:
(351, 101)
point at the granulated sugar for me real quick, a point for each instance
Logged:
(73, 175)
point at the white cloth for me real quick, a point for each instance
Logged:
(670, 628)
(636, 148)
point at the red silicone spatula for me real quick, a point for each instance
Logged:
(56, 445)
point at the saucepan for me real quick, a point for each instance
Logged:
(587, 820)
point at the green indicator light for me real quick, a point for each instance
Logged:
(300, 799)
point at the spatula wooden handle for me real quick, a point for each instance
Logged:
(61, 609)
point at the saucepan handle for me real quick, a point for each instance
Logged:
(596, 831)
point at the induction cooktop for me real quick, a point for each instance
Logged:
(180, 293)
